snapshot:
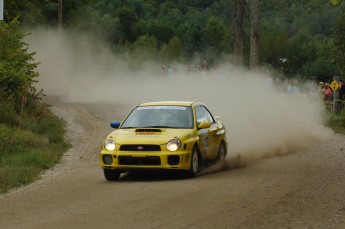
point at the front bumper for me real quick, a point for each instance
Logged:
(126, 161)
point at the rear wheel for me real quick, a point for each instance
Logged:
(111, 174)
(194, 163)
(221, 152)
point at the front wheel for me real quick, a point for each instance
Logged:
(221, 152)
(194, 163)
(111, 174)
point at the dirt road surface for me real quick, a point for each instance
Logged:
(300, 190)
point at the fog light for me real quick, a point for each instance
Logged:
(173, 159)
(107, 159)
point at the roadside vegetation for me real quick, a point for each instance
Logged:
(26, 152)
(31, 137)
(337, 122)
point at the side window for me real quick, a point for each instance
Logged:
(203, 115)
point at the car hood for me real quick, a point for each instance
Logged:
(149, 136)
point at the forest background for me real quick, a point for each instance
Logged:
(295, 36)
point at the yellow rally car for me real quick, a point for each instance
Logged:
(170, 135)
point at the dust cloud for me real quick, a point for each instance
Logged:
(261, 120)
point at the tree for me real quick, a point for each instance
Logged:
(144, 49)
(301, 50)
(17, 65)
(338, 42)
(27, 12)
(254, 33)
(239, 33)
(59, 15)
(273, 46)
(321, 69)
(172, 51)
(214, 34)
(162, 31)
(129, 23)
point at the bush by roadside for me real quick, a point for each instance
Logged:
(337, 122)
(25, 153)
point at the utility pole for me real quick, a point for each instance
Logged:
(239, 32)
(59, 15)
(254, 33)
(1, 10)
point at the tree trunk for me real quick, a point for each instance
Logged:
(239, 31)
(254, 33)
(59, 15)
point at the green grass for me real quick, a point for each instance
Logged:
(25, 153)
(337, 122)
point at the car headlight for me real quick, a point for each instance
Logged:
(174, 144)
(109, 144)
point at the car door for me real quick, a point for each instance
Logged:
(207, 142)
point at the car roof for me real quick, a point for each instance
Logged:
(167, 103)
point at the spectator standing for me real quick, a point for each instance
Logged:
(342, 90)
(342, 94)
(192, 68)
(292, 87)
(327, 95)
(205, 65)
(322, 87)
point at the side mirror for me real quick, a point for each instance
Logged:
(115, 125)
(204, 125)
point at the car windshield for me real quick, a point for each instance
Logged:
(160, 117)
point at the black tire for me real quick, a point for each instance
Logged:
(194, 163)
(221, 152)
(111, 174)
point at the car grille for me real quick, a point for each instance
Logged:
(149, 160)
(140, 148)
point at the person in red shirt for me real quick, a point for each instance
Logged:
(327, 95)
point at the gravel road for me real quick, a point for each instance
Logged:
(305, 189)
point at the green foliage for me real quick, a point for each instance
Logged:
(143, 50)
(273, 48)
(8, 114)
(321, 69)
(172, 51)
(29, 12)
(129, 23)
(14, 139)
(214, 34)
(337, 122)
(47, 124)
(17, 65)
(163, 32)
(301, 50)
(338, 43)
